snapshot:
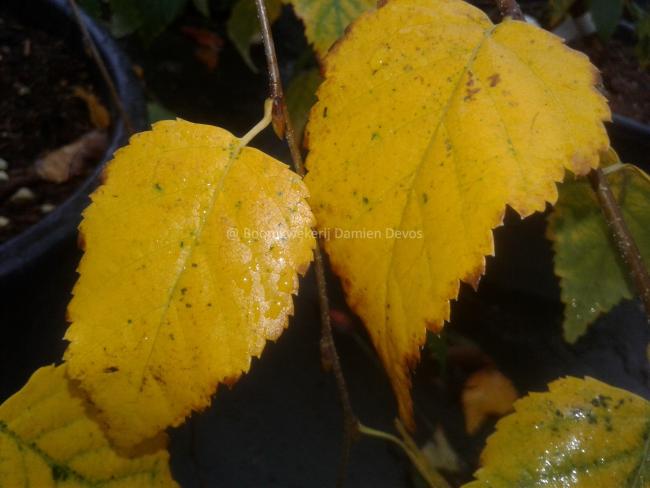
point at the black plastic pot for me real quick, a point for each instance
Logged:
(28, 248)
(631, 139)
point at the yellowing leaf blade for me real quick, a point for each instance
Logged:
(486, 393)
(48, 438)
(192, 255)
(411, 169)
(581, 434)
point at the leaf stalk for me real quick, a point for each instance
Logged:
(510, 8)
(430, 476)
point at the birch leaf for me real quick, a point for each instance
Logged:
(558, 10)
(193, 251)
(47, 438)
(593, 278)
(429, 122)
(326, 20)
(581, 434)
(243, 26)
(301, 96)
(486, 393)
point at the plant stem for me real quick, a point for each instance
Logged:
(510, 8)
(623, 239)
(97, 58)
(284, 128)
(608, 170)
(432, 477)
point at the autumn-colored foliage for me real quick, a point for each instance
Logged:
(48, 437)
(194, 245)
(456, 119)
(581, 434)
(430, 120)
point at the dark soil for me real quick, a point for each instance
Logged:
(38, 73)
(627, 85)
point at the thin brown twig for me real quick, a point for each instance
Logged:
(510, 8)
(284, 129)
(97, 58)
(623, 239)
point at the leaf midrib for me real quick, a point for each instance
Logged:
(470, 62)
(181, 265)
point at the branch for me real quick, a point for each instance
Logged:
(284, 128)
(90, 45)
(510, 8)
(623, 239)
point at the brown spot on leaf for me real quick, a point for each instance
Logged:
(159, 379)
(111, 369)
(494, 79)
(81, 241)
(434, 325)
(231, 380)
(469, 94)
(470, 79)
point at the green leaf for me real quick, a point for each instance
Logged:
(606, 15)
(581, 434)
(125, 17)
(157, 112)
(92, 7)
(642, 28)
(558, 10)
(203, 6)
(301, 96)
(592, 277)
(243, 26)
(148, 17)
(325, 20)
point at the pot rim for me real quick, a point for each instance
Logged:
(28, 247)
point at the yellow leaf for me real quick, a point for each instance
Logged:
(581, 434)
(192, 255)
(48, 438)
(99, 115)
(326, 20)
(486, 393)
(429, 122)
